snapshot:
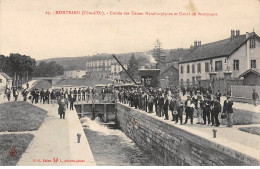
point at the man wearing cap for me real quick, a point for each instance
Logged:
(228, 109)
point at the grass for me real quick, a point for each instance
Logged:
(20, 116)
(19, 142)
(252, 130)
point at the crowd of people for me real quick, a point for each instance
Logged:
(201, 103)
(205, 107)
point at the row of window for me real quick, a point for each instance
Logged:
(198, 68)
(218, 66)
(236, 64)
(107, 62)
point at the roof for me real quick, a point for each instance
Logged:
(149, 72)
(176, 54)
(217, 49)
(165, 68)
(255, 71)
(6, 76)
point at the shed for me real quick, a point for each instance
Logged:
(251, 77)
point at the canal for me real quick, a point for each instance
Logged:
(110, 146)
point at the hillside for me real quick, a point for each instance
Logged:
(71, 63)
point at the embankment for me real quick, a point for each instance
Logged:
(174, 145)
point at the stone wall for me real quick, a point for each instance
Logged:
(171, 145)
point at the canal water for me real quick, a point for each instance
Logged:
(111, 147)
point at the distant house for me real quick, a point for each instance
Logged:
(5, 80)
(251, 77)
(169, 70)
(71, 74)
(169, 76)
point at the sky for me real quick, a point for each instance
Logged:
(25, 27)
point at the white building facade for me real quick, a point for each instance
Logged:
(235, 54)
(70, 74)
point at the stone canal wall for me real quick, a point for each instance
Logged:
(172, 145)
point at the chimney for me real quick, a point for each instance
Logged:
(237, 32)
(232, 34)
(199, 43)
(195, 44)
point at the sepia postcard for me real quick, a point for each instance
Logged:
(129, 83)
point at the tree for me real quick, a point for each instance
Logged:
(158, 53)
(50, 69)
(18, 66)
(133, 66)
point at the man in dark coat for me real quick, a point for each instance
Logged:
(79, 94)
(42, 98)
(189, 110)
(160, 105)
(24, 93)
(215, 111)
(228, 109)
(75, 93)
(206, 110)
(179, 107)
(62, 107)
(218, 95)
(47, 96)
(166, 107)
(37, 94)
(72, 99)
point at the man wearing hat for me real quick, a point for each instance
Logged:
(228, 109)
(189, 110)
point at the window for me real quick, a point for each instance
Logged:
(188, 68)
(236, 65)
(198, 68)
(206, 67)
(1, 80)
(253, 63)
(218, 65)
(181, 69)
(193, 69)
(252, 43)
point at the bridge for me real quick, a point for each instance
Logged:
(106, 111)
